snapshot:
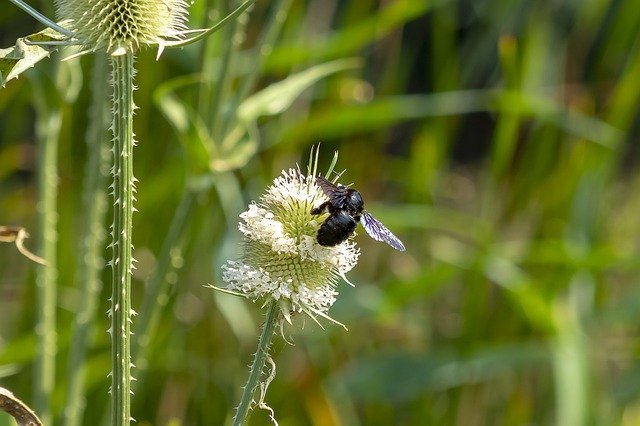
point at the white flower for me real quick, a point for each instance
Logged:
(281, 259)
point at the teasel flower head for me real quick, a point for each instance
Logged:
(119, 27)
(281, 259)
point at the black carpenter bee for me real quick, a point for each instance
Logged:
(346, 209)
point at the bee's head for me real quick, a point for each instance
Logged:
(354, 203)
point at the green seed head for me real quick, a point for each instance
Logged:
(123, 26)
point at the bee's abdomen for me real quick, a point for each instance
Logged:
(336, 229)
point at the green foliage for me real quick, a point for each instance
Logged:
(496, 138)
(24, 55)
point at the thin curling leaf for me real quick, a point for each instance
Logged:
(24, 55)
(17, 235)
(23, 415)
(279, 96)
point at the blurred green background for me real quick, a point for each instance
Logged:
(497, 138)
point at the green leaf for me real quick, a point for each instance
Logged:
(277, 97)
(24, 55)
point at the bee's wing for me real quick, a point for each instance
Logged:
(327, 187)
(379, 232)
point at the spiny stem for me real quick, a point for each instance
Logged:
(91, 263)
(258, 364)
(123, 189)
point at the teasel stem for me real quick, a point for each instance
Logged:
(122, 262)
(46, 276)
(91, 263)
(48, 131)
(259, 360)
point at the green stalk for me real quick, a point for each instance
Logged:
(258, 364)
(570, 361)
(91, 263)
(45, 362)
(207, 54)
(234, 33)
(48, 131)
(123, 187)
(262, 49)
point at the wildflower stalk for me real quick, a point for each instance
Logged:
(91, 263)
(259, 360)
(48, 131)
(46, 278)
(123, 189)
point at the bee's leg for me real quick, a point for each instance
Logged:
(320, 209)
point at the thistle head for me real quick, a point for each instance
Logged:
(281, 259)
(120, 27)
